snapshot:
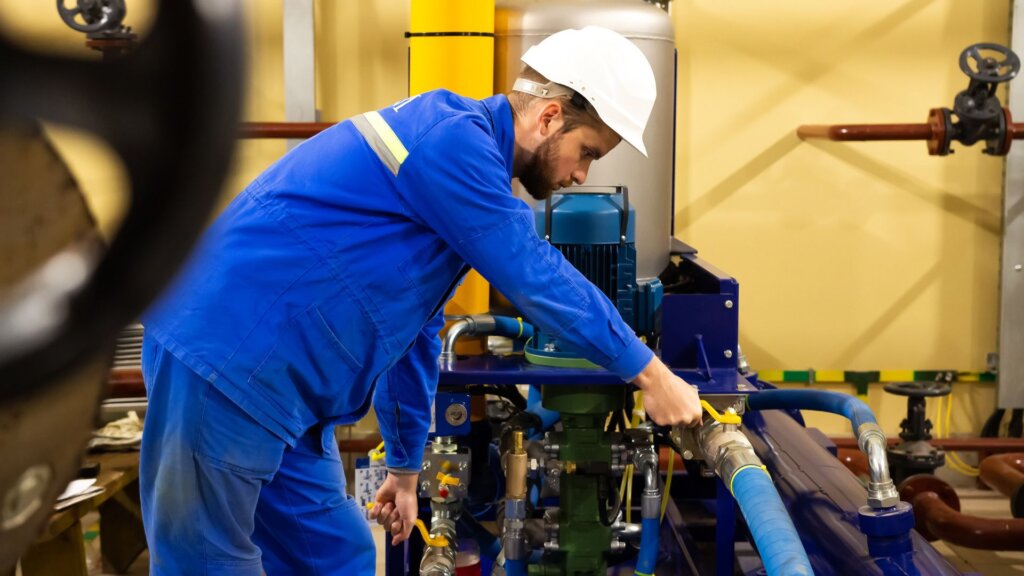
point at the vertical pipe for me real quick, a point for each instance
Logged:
(299, 64)
(725, 531)
(451, 45)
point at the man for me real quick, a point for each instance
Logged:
(321, 286)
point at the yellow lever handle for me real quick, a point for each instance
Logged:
(445, 479)
(377, 453)
(439, 541)
(721, 418)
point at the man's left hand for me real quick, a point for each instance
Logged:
(396, 508)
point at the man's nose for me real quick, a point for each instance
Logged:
(579, 176)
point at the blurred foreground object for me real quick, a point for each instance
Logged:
(169, 109)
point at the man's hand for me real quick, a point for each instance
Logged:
(668, 399)
(396, 506)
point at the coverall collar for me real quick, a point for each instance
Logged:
(504, 129)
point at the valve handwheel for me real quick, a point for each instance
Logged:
(919, 389)
(96, 15)
(987, 68)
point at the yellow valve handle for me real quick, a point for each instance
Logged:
(439, 541)
(377, 453)
(445, 479)
(721, 418)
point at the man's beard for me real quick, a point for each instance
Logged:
(538, 175)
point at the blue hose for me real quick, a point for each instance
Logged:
(648, 558)
(547, 418)
(770, 525)
(512, 328)
(820, 400)
(515, 567)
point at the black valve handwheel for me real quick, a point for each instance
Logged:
(989, 68)
(96, 15)
(919, 389)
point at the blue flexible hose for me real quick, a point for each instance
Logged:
(512, 328)
(820, 400)
(515, 568)
(648, 558)
(548, 418)
(770, 525)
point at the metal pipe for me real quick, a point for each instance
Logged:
(1005, 473)
(881, 490)
(855, 461)
(864, 132)
(971, 531)
(282, 130)
(465, 326)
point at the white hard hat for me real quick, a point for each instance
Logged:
(606, 69)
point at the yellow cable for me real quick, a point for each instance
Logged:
(668, 484)
(436, 541)
(953, 460)
(629, 494)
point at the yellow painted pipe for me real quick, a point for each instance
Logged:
(451, 46)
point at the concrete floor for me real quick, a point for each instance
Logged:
(973, 501)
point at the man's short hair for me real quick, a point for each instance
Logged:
(575, 109)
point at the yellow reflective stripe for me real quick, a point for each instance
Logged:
(388, 136)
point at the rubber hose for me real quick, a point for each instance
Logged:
(648, 558)
(770, 525)
(854, 410)
(512, 328)
(548, 418)
(515, 568)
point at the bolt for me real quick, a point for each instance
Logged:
(25, 498)
(462, 465)
(1019, 267)
(728, 353)
(425, 487)
(426, 464)
(728, 304)
(687, 455)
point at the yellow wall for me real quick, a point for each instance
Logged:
(850, 256)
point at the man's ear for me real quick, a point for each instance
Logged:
(550, 117)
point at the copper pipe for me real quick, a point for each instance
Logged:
(1005, 473)
(954, 444)
(855, 461)
(126, 383)
(970, 531)
(282, 129)
(358, 445)
(850, 132)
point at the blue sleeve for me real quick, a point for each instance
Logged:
(455, 182)
(404, 398)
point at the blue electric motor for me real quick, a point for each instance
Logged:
(595, 229)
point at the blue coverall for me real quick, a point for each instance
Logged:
(319, 288)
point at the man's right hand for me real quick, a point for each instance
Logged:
(668, 399)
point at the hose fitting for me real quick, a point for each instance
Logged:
(881, 489)
(514, 540)
(440, 560)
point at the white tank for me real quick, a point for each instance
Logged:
(519, 24)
